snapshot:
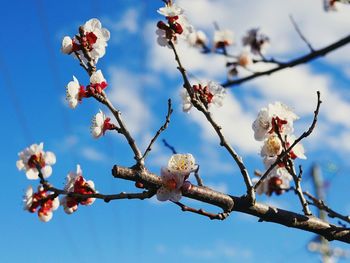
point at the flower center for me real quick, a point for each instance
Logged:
(170, 184)
(36, 159)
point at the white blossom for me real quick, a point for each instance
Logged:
(272, 146)
(182, 163)
(97, 126)
(170, 10)
(171, 185)
(73, 93)
(263, 123)
(67, 45)
(102, 36)
(197, 38)
(75, 183)
(35, 155)
(28, 198)
(298, 150)
(186, 100)
(216, 92)
(97, 77)
(223, 38)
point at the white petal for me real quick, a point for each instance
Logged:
(163, 194)
(46, 171)
(20, 164)
(176, 195)
(50, 158)
(55, 203)
(97, 77)
(45, 218)
(32, 174)
(67, 45)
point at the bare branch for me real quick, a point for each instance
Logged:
(296, 27)
(320, 204)
(198, 178)
(219, 216)
(223, 142)
(172, 148)
(292, 63)
(161, 129)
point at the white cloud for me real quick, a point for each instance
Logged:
(235, 122)
(127, 22)
(92, 154)
(127, 94)
(216, 251)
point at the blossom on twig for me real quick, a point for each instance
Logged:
(75, 183)
(93, 37)
(75, 93)
(210, 93)
(33, 157)
(197, 39)
(174, 175)
(41, 199)
(97, 83)
(277, 112)
(177, 24)
(100, 124)
(223, 38)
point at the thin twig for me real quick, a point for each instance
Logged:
(286, 152)
(219, 216)
(292, 63)
(223, 142)
(289, 165)
(198, 177)
(172, 148)
(122, 127)
(320, 204)
(81, 62)
(296, 27)
(161, 129)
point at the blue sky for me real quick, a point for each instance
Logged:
(142, 76)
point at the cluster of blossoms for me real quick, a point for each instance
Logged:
(274, 126)
(254, 44)
(174, 177)
(33, 157)
(92, 38)
(177, 24)
(42, 201)
(76, 92)
(77, 184)
(36, 163)
(332, 5)
(210, 93)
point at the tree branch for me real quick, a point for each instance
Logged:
(161, 129)
(223, 142)
(240, 204)
(292, 63)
